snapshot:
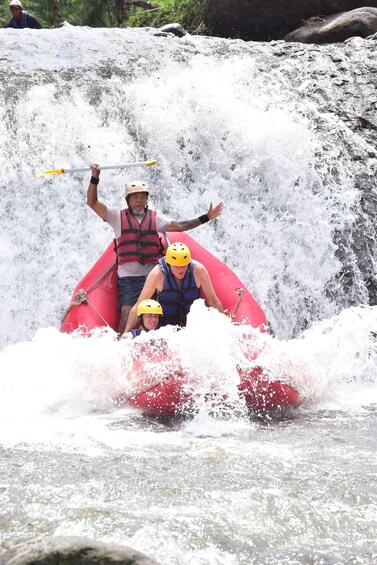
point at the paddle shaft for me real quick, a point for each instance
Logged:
(126, 165)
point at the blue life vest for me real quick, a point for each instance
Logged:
(135, 333)
(176, 302)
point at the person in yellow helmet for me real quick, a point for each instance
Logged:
(20, 18)
(178, 281)
(149, 314)
(136, 230)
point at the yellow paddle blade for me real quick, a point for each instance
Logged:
(83, 169)
(54, 172)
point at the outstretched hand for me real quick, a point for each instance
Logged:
(214, 212)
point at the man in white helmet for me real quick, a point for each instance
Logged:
(20, 18)
(136, 230)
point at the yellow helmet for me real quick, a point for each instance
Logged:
(149, 306)
(135, 186)
(178, 254)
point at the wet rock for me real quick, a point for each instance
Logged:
(72, 551)
(361, 22)
(175, 29)
(264, 20)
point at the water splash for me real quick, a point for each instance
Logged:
(220, 128)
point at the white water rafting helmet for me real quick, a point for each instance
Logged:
(149, 306)
(135, 186)
(16, 4)
(178, 254)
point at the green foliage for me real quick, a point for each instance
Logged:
(4, 12)
(185, 12)
(102, 13)
(47, 12)
(95, 13)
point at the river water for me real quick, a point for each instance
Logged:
(229, 121)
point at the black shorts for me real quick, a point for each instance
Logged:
(129, 289)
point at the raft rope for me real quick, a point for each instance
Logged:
(82, 298)
(240, 292)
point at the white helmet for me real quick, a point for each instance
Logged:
(135, 186)
(15, 3)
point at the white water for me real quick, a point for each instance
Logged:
(213, 490)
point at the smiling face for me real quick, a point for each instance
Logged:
(150, 321)
(137, 202)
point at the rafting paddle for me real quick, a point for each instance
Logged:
(81, 170)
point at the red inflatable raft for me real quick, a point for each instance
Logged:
(94, 304)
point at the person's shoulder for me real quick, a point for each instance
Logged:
(162, 220)
(156, 269)
(198, 268)
(155, 274)
(33, 20)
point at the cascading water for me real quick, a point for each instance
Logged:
(284, 135)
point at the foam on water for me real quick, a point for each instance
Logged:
(59, 378)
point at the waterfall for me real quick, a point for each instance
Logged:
(282, 133)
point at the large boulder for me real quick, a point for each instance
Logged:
(339, 27)
(66, 550)
(264, 20)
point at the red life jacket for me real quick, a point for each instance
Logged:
(138, 242)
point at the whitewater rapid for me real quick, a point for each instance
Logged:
(220, 128)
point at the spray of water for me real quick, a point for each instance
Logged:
(219, 131)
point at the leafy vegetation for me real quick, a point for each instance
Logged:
(184, 12)
(111, 13)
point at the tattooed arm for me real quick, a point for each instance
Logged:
(185, 225)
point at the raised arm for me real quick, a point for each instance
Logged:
(92, 199)
(185, 225)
